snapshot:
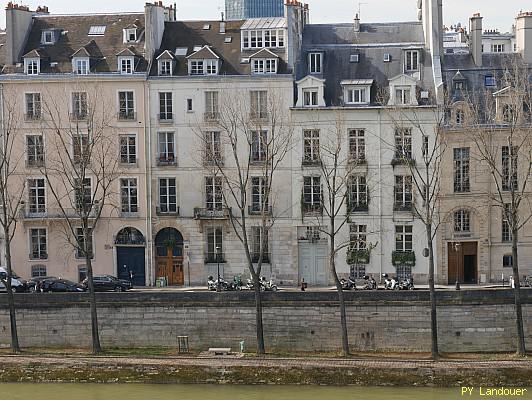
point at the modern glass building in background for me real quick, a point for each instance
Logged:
(243, 9)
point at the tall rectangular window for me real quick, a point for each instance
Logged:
(38, 244)
(211, 105)
(259, 243)
(403, 143)
(411, 60)
(462, 221)
(80, 148)
(35, 150)
(211, 67)
(79, 105)
(165, 67)
(126, 105)
(213, 147)
(259, 146)
(403, 238)
(214, 245)
(315, 63)
(165, 106)
(83, 194)
(357, 237)
(129, 195)
(166, 148)
(311, 146)
(461, 170)
(128, 149)
(357, 145)
(83, 249)
(402, 96)
(403, 193)
(509, 168)
(167, 195)
(312, 194)
(213, 193)
(259, 198)
(126, 65)
(358, 193)
(259, 104)
(37, 196)
(81, 66)
(506, 227)
(310, 97)
(196, 67)
(33, 106)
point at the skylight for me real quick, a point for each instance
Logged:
(181, 51)
(228, 39)
(197, 48)
(97, 30)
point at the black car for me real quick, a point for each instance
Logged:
(35, 285)
(108, 282)
(61, 285)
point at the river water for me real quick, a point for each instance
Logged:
(25, 391)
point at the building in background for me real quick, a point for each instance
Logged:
(244, 9)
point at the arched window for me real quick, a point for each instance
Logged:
(130, 236)
(462, 221)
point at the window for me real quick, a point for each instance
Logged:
(489, 81)
(32, 66)
(83, 194)
(165, 67)
(97, 30)
(166, 148)
(507, 261)
(403, 238)
(459, 117)
(167, 195)
(311, 146)
(130, 35)
(47, 37)
(462, 221)
(190, 105)
(509, 168)
(196, 67)
(129, 195)
(38, 244)
(79, 106)
(128, 149)
(35, 150)
(37, 196)
(315, 63)
(33, 106)
(38, 271)
(213, 193)
(403, 272)
(311, 194)
(411, 60)
(125, 65)
(213, 147)
(80, 66)
(425, 146)
(126, 105)
(461, 170)
(357, 145)
(459, 86)
(165, 106)
(259, 104)
(214, 245)
(259, 146)
(402, 96)
(82, 248)
(356, 95)
(310, 97)
(358, 193)
(403, 193)
(497, 48)
(506, 219)
(357, 237)
(264, 66)
(403, 144)
(257, 39)
(508, 114)
(211, 67)
(259, 195)
(211, 105)
(259, 243)
(80, 147)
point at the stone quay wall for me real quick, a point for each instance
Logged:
(468, 321)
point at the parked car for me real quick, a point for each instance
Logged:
(18, 284)
(61, 285)
(108, 282)
(36, 284)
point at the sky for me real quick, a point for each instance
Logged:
(496, 16)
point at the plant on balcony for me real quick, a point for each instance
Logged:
(403, 258)
(357, 256)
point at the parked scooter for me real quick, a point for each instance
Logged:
(236, 284)
(369, 283)
(527, 281)
(407, 284)
(348, 284)
(268, 286)
(390, 283)
(211, 283)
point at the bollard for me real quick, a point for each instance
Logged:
(242, 346)
(457, 287)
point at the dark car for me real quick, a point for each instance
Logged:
(36, 284)
(61, 285)
(108, 282)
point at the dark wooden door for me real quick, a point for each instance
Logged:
(462, 262)
(171, 267)
(131, 264)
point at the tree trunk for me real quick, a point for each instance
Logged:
(521, 348)
(434, 352)
(96, 348)
(341, 300)
(258, 315)
(15, 348)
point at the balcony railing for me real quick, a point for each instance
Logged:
(205, 213)
(210, 161)
(311, 161)
(42, 255)
(214, 258)
(127, 115)
(166, 117)
(210, 116)
(256, 209)
(78, 116)
(312, 208)
(29, 213)
(357, 207)
(256, 256)
(35, 163)
(402, 207)
(32, 117)
(166, 159)
(403, 258)
(163, 210)
(403, 161)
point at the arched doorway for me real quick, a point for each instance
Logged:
(169, 256)
(130, 260)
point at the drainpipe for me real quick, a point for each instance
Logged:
(148, 172)
(381, 227)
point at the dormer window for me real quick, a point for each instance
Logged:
(80, 65)
(195, 67)
(402, 95)
(126, 65)
(130, 35)
(411, 60)
(211, 67)
(264, 66)
(310, 97)
(257, 39)
(315, 63)
(357, 91)
(165, 67)
(32, 66)
(47, 37)
(403, 90)
(310, 92)
(203, 61)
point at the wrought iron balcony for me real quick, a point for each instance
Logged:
(166, 118)
(32, 117)
(210, 116)
(255, 209)
(163, 210)
(78, 116)
(29, 213)
(127, 115)
(214, 258)
(206, 213)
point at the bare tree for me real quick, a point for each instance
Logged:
(81, 169)
(11, 195)
(500, 127)
(256, 132)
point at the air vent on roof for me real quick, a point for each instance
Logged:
(197, 48)
(63, 33)
(244, 61)
(387, 57)
(206, 27)
(97, 30)
(54, 64)
(425, 94)
(181, 51)
(228, 39)
(354, 58)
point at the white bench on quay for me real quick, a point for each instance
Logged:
(220, 351)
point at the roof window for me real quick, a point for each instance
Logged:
(181, 51)
(47, 37)
(354, 58)
(97, 30)
(206, 27)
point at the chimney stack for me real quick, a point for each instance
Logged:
(475, 38)
(18, 23)
(222, 24)
(357, 23)
(523, 34)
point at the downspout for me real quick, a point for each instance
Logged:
(148, 172)
(381, 216)
(2, 141)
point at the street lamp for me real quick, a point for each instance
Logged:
(218, 262)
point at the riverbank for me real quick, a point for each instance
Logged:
(448, 372)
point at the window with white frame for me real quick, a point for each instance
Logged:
(80, 65)
(311, 146)
(310, 97)
(165, 106)
(167, 195)
(509, 168)
(356, 95)
(357, 199)
(211, 105)
(259, 198)
(357, 237)
(166, 148)
(213, 193)
(357, 145)
(35, 150)
(312, 200)
(403, 144)
(259, 244)
(506, 218)
(461, 169)
(257, 39)
(125, 65)
(411, 60)
(129, 195)
(126, 105)
(403, 193)
(32, 66)
(36, 196)
(196, 67)
(33, 106)
(83, 194)
(130, 35)
(47, 37)
(213, 147)
(459, 116)
(84, 247)
(403, 238)
(79, 105)
(259, 103)
(462, 221)
(211, 67)
(38, 244)
(264, 65)
(128, 149)
(214, 245)
(80, 148)
(165, 67)
(38, 271)
(259, 145)
(402, 96)
(497, 48)
(315, 63)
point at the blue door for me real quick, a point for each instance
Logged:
(130, 264)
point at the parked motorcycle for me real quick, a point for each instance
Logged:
(211, 283)
(390, 283)
(369, 283)
(407, 284)
(268, 286)
(348, 284)
(527, 281)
